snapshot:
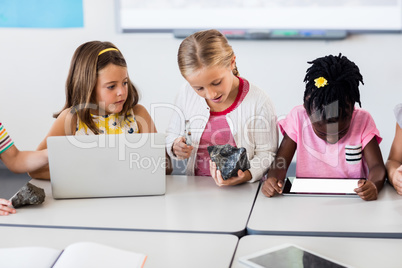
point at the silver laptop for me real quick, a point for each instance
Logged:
(107, 165)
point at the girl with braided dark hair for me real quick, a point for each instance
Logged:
(333, 138)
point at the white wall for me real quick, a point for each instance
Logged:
(34, 65)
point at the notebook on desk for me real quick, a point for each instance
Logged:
(107, 165)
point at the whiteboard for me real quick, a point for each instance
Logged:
(169, 15)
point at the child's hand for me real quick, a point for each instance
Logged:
(217, 176)
(4, 207)
(397, 182)
(367, 190)
(181, 149)
(271, 187)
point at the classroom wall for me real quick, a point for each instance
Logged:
(34, 65)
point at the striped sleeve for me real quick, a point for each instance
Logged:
(5, 140)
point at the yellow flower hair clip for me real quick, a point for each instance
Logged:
(320, 82)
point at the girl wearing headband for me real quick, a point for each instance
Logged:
(333, 138)
(100, 97)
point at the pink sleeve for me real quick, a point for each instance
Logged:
(369, 130)
(290, 125)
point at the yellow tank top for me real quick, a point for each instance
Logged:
(110, 124)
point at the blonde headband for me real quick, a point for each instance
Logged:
(107, 49)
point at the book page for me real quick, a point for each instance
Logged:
(89, 254)
(305, 185)
(34, 257)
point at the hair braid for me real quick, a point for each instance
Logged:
(343, 78)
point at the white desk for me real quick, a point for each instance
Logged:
(328, 216)
(163, 249)
(356, 252)
(191, 204)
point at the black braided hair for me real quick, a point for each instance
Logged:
(343, 77)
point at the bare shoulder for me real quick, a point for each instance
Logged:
(65, 124)
(144, 120)
(140, 110)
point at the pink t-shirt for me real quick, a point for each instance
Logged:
(217, 131)
(317, 158)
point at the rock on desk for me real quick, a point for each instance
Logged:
(191, 204)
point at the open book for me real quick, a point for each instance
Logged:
(82, 254)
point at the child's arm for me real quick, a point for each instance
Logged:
(263, 128)
(394, 162)
(277, 172)
(176, 146)
(180, 149)
(4, 207)
(169, 167)
(65, 124)
(369, 189)
(23, 161)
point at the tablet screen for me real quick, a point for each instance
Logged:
(288, 256)
(323, 186)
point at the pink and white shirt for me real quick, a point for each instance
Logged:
(317, 158)
(253, 126)
(217, 132)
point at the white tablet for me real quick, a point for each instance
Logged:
(320, 186)
(288, 255)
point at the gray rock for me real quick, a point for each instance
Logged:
(29, 194)
(229, 159)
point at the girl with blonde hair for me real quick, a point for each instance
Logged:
(221, 108)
